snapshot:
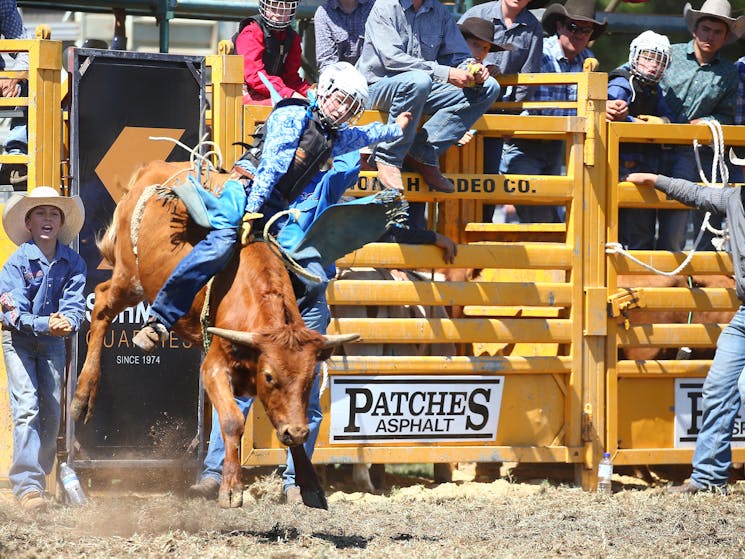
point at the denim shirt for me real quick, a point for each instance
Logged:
(400, 39)
(283, 130)
(526, 37)
(32, 288)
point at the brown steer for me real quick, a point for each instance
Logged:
(261, 346)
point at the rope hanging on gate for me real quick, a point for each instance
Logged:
(718, 164)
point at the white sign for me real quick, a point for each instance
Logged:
(688, 411)
(414, 409)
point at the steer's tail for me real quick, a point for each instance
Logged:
(107, 241)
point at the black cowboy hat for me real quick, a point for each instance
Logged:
(482, 29)
(535, 4)
(578, 10)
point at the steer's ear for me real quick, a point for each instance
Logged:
(325, 353)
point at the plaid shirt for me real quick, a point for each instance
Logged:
(555, 61)
(740, 103)
(11, 27)
(339, 35)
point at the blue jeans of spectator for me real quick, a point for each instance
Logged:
(34, 366)
(723, 393)
(453, 110)
(315, 312)
(208, 257)
(535, 157)
(17, 139)
(636, 226)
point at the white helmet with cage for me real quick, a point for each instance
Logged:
(649, 56)
(342, 94)
(277, 14)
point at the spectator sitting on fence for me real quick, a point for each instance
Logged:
(634, 95)
(571, 27)
(699, 85)
(724, 387)
(42, 300)
(409, 66)
(16, 143)
(514, 25)
(268, 44)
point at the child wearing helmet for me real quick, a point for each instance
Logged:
(634, 95)
(268, 44)
(301, 137)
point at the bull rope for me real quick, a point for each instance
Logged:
(274, 245)
(134, 229)
(204, 317)
(717, 164)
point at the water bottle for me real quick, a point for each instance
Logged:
(605, 473)
(71, 483)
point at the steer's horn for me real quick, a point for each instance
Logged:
(334, 340)
(242, 338)
(734, 159)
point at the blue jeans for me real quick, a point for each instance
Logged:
(208, 257)
(535, 157)
(724, 391)
(453, 112)
(637, 227)
(34, 365)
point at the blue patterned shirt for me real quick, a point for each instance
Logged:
(283, 130)
(339, 35)
(554, 60)
(11, 27)
(526, 37)
(740, 103)
(400, 39)
(32, 288)
(694, 90)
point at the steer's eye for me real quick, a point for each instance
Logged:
(268, 377)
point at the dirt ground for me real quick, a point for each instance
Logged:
(414, 517)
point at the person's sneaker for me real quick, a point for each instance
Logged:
(293, 495)
(207, 488)
(151, 335)
(691, 489)
(33, 502)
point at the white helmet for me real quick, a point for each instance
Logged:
(654, 48)
(277, 14)
(348, 107)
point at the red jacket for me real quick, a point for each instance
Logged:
(250, 44)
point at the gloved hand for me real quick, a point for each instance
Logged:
(246, 223)
(651, 119)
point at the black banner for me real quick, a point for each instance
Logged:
(147, 406)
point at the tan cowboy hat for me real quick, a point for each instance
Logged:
(715, 9)
(578, 10)
(18, 206)
(482, 29)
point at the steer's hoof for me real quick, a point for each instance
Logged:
(230, 499)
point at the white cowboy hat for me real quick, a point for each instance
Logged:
(18, 206)
(716, 9)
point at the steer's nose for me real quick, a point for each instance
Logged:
(293, 434)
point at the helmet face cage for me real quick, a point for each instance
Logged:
(337, 107)
(277, 14)
(649, 56)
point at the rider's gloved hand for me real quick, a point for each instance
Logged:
(246, 223)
